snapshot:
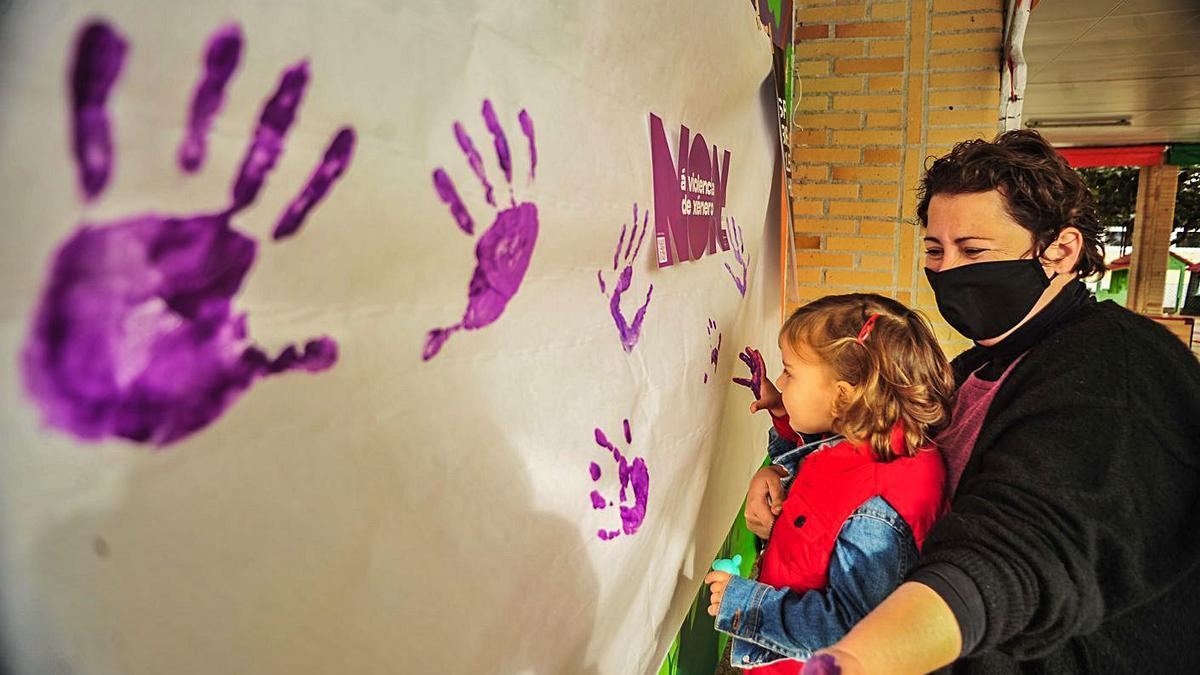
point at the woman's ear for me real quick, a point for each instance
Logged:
(1062, 255)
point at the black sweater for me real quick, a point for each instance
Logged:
(1077, 517)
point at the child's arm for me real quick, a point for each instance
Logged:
(871, 557)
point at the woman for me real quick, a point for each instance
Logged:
(1073, 542)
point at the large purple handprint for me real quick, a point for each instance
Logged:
(633, 475)
(629, 332)
(739, 254)
(136, 336)
(504, 250)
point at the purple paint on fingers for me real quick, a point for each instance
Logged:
(220, 61)
(99, 57)
(645, 226)
(754, 361)
(621, 242)
(822, 664)
(634, 477)
(502, 254)
(276, 119)
(447, 193)
(316, 356)
(628, 332)
(332, 166)
(474, 160)
(503, 156)
(527, 128)
(739, 255)
(135, 335)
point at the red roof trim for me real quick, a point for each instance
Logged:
(1129, 155)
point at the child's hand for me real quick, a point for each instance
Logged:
(718, 581)
(766, 396)
(764, 500)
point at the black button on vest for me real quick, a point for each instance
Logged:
(799, 522)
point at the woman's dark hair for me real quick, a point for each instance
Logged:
(1041, 192)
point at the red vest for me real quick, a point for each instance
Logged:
(830, 484)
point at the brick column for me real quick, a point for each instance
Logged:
(1152, 238)
(884, 85)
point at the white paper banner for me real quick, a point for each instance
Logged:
(491, 447)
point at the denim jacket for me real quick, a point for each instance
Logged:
(875, 550)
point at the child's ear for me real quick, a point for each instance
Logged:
(845, 391)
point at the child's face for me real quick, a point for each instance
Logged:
(809, 391)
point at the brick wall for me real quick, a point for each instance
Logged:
(883, 86)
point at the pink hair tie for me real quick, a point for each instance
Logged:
(866, 329)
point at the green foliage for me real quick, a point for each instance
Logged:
(1187, 208)
(1115, 190)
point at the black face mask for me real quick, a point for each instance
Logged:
(987, 299)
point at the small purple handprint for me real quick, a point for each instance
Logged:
(758, 369)
(628, 332)
(632, 475)
(504, 250)
(136, 336)
(739, 254)
(716, 351)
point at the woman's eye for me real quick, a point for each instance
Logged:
(933, 252)
(974, 252)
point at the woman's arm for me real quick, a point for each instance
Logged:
(913, 631)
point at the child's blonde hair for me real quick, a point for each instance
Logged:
(897, 369)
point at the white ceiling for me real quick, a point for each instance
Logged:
(1138, 59)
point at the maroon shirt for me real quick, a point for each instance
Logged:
(971, 404)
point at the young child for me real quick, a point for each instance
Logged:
(869, 371)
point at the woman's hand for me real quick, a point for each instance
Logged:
(717, 582)
(764, 500)
(832, 661)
